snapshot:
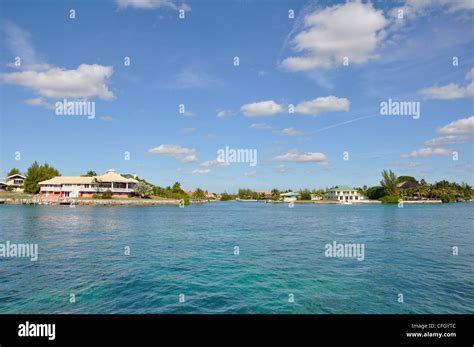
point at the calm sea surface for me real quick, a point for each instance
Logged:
(190, 251)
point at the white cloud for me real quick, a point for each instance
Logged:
(351, 30)
(106, 118)
(447, 92)
(280, 169)
(151, 4)
(415, 8)
(290, 132)
(250, 174)
(451, 91)
(323, 104)
(447, 140)
(427, 152)
(214, 163)
(460, 126)
(200, 171)
(225, 113)
(40, 102)
(189, 114)
(308, 157)
(84, 82)
(470, 74)
(262, 108)
(193, 76)
(183, 154)
(260, 126)
(18, 42)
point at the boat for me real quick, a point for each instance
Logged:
(345, 202)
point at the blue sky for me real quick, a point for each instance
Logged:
(283, 61)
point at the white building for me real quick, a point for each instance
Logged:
(343, 193)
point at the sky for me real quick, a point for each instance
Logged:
(299, 83)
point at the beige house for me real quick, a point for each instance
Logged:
(61, 187)
(14, 182)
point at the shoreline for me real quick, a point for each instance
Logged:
(174, 202)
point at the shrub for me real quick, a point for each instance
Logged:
(445, 198)
(107, 194)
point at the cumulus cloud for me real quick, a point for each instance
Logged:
(290, 132)
(40, 102)
(84, 82)
(452, 90)
(260, 126)
(250, 174)
(151, 4)
(200, 171)
(225, 113)
(323, 104)
(221, 114)
(427, 152)
(183, 154)
(308, 157)
(262, 108)
(353, 30)
(447, 140)
(215, 163)
(460, 126)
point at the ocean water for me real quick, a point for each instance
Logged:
(190, 251)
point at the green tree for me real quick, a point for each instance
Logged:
(407, 179)
(305, 194)
(226, 196)
(275, 194)
(375, 193)
(199, 194)
(37, 173)
(389, 182)
(177, 188)
(143, 190)
(13, 171)
(89, 173)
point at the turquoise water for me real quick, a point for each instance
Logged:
(190, 251)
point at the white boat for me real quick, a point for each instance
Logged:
(345, 202)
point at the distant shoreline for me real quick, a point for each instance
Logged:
(173, 202)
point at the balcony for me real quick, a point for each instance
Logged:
(86, 190)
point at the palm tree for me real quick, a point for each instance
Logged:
(389, 182)
(275, 194)
(199, 194)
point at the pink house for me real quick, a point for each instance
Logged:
(61, 187)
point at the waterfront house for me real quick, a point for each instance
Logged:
(210, 196)
(15, 182)
(315, 197)
(289, 197)
(343, 193)
(266, 194)
(61, 187)
(3, 186)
